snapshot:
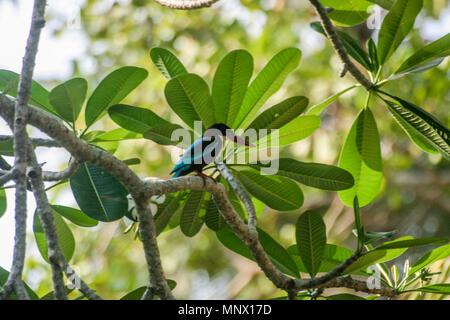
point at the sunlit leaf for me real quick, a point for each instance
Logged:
(167, 62)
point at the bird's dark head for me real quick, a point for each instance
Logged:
(222, 127)
(228, 133)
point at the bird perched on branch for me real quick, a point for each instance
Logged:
(204, 150)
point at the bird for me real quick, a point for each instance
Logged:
(204, 151)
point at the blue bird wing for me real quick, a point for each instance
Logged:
(190, 156)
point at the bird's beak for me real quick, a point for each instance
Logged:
(239, 140)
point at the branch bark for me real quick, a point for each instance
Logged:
(186, 4)
(338, 46)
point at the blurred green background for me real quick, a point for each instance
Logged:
(415, 196)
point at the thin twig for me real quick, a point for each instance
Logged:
(39, 142)
(242, 194)
(186, 4)
(10, 175)
(61, 175)
(338, 46)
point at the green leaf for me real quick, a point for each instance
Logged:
(412, 243)
(166, 210)
(191, 219)
(188, 96)
(377, 256)
(135, 119)
(332, 257)
(118, 134)
(434, 51)
(277, 192)
(75, 215)
(440, 288)
(137, 294)
(373, 55)
(132, 161)
(294, 131)
(9, 82)
(318, 108)
(315, 175)
(162, 134)
(396, 26)
(310, 233)
(167, 62)
(422, 127)
(7, 148)
(267, 82)
(230, 84)
(359, 228)
(371, 236)
(344, 296)
(385, 4)
(352, 46)
(98, 193)
(111, 90)
(361, 156)
(277, 254)
(213, 218)
(3, 202)
(430, 257)
(68, 98)
(65, 237)
(280, 114)
(349, 12)
(4, 274)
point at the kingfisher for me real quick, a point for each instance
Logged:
(205, 149)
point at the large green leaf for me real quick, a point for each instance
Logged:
(111, 90)
(280, 114)
(377, 256)
(213, 218)
(408, 243)
(188, 95)
(268, 81)
(134, 119)
(230, 84)
(191, 219)
(385, 4)
(315, 175)
(65, 237)
(9, 82)
(430, 257)
(310, 233)
(162, 134)
(4, 274)
(3, 202)
(423, 128)
(76, 216)
(439, 288)
(361, 156)
(118, 134)
(332, 257)
(396, 26)
(277, 254)
(68, 98)
(348, 12)
(435, 50)
(166, 210)
(167, 62)
(318, 108)
(352, 46)
(99, 194)
(279, 193)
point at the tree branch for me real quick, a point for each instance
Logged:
(358, 285)
(338, 46)
(65, 174)
(186, 4)
(39, 142)
(242, 194)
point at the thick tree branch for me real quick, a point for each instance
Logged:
(186, 4)
(338, 46)
(358, 285)
(20, 151)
